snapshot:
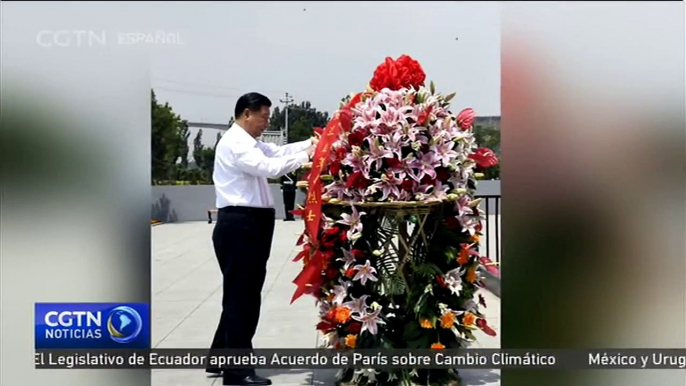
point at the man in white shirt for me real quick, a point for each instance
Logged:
(244, 229)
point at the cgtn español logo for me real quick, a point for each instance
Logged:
(92, 325)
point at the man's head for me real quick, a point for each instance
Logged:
(252, 113)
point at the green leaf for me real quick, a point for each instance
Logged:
(393, 285)
(451, 253)
(432, 87)
(420, 303)
(422, 342)
(428, 270)
(412, 331)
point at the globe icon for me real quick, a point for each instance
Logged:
(124, 324)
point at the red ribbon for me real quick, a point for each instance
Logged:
(310, 278)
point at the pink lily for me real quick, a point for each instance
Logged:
(376, 153)
(365, 272)
(353, 221)
(357, 305)
(444, 152)
(388, 186)
(370, 321)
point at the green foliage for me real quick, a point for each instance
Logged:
(204, 158)
(169, 141)
(393, 284)
(428, 270)
(487, 137)
(302, 119)
(169, 153)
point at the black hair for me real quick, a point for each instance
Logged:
(252, 101)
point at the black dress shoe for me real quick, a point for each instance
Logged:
(249, 380)
(216, 371)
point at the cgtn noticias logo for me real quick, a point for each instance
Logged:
(92, 325)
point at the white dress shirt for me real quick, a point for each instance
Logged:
(242, 165)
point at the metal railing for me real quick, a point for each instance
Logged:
(489, 244)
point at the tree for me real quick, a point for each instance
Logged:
(488, 137)
(302, 119)
(204, 160)
(169, 141)
(184, 133)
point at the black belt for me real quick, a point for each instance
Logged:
(247, 210)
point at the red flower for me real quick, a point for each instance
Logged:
(331, 273)
(325, 326)
(392, 162)
(304, 253)
(335, 167)
(354, 328)
(452, 223)
(358, 253)
(345, 117)
(407, 185)
(442, 174)
(330, 237)
(328, 254)
(481, 323)
(350, 272)
(341, 152)
(357, 98)
(440, 281)
(343, 236)
(485, 158)
(356, 138)
(427, 180)
(412, 73)
(424, 116)
(396, 74)
(465, 118)
(356, 180)
(333, 231)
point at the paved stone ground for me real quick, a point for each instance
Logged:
(187, 304)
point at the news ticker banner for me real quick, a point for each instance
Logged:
(378, 359)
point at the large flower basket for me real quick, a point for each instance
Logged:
(391, 225)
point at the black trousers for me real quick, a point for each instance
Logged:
(242, 240)
(289, 202)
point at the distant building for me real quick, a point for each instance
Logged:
(275, 137)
